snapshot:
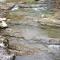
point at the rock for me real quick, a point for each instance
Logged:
(15, 8)
(19, 41)
(4, 55)
(3, 24)
(7, 6)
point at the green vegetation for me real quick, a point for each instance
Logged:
(26, 1)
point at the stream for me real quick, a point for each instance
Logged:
(26, 34)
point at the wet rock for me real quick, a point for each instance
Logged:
(47, 41)
(4, 53)
(3, 24)
(7, 6)
(25, 36)
(22, 41)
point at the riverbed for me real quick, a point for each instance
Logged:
(28, 38)
(29, 33)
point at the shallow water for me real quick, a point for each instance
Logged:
(24, 24)
(30, 18)
(31, 30)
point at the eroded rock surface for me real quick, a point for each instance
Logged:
(4, 53)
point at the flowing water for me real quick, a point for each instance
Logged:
(25, 24)
(32, 31)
